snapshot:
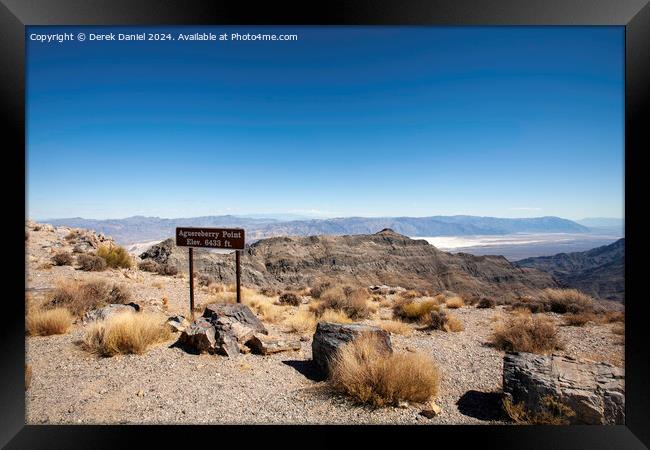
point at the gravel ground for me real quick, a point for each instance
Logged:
(167, 385)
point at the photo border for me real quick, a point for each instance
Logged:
(633, 14)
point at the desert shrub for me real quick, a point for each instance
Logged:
(289, 298)
(125, 333)
(564, 301)
(319, 288)
(28, 376)
(115, 256)
(48, 322)
(395, 327)
(62, 258)
(149, 265)
(579, 319)
(301, 322)
(444, 321)
(91, 263)
(485, 303)
(167, 269)
(412, 310)
(619, 329)
(454, 302)
(204, 280)
(552, 412)
(364, 371)
(354, 304)
(80, 297)
(524, 332)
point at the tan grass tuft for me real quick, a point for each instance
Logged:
(454, 303)
(126, 333)
(362, 371)
(48, 322)
(525, 332)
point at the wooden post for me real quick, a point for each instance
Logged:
(238, 273)
(191, 283)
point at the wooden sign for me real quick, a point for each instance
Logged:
(225, 238)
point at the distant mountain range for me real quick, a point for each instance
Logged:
(141, 229)
(598, 272)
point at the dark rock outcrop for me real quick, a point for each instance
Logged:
(223, 329)
(329, 337)
(236, 312)
(594, 391)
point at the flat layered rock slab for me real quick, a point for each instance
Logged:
(595, 392)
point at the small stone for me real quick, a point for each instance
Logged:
(141, 393)
(403, 404)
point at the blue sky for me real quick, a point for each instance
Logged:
(364, 121)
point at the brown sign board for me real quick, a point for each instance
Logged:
(226, 238)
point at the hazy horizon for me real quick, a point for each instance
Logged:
(512, 122)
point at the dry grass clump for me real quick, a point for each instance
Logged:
(444, 321)
(62, 258)
(262, 306)
(91, 263)
(619, 329)
(289, 298)
(73, 235)
(410, 294)
(364, 371)
(115, 256)
(552, 412)
(612, 317)
(335, 316)
(316, 290)
(80, 297)
(302, 322)
(525, 332)
(395, 327)
(579, 319)
(412, 310)
(564, 301)
(126, 333)
(48, 322)
(454, 302)
(28, 376)
(352, 302)
(270, 292)
(485, 303)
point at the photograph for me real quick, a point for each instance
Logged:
(315, 224)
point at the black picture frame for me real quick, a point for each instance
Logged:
(633, 14)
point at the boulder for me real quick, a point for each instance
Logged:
(594, 391)
(236, 312)
(330, 336)
(108, 311)
(223, 329)
(265, 345)
(199, 336)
